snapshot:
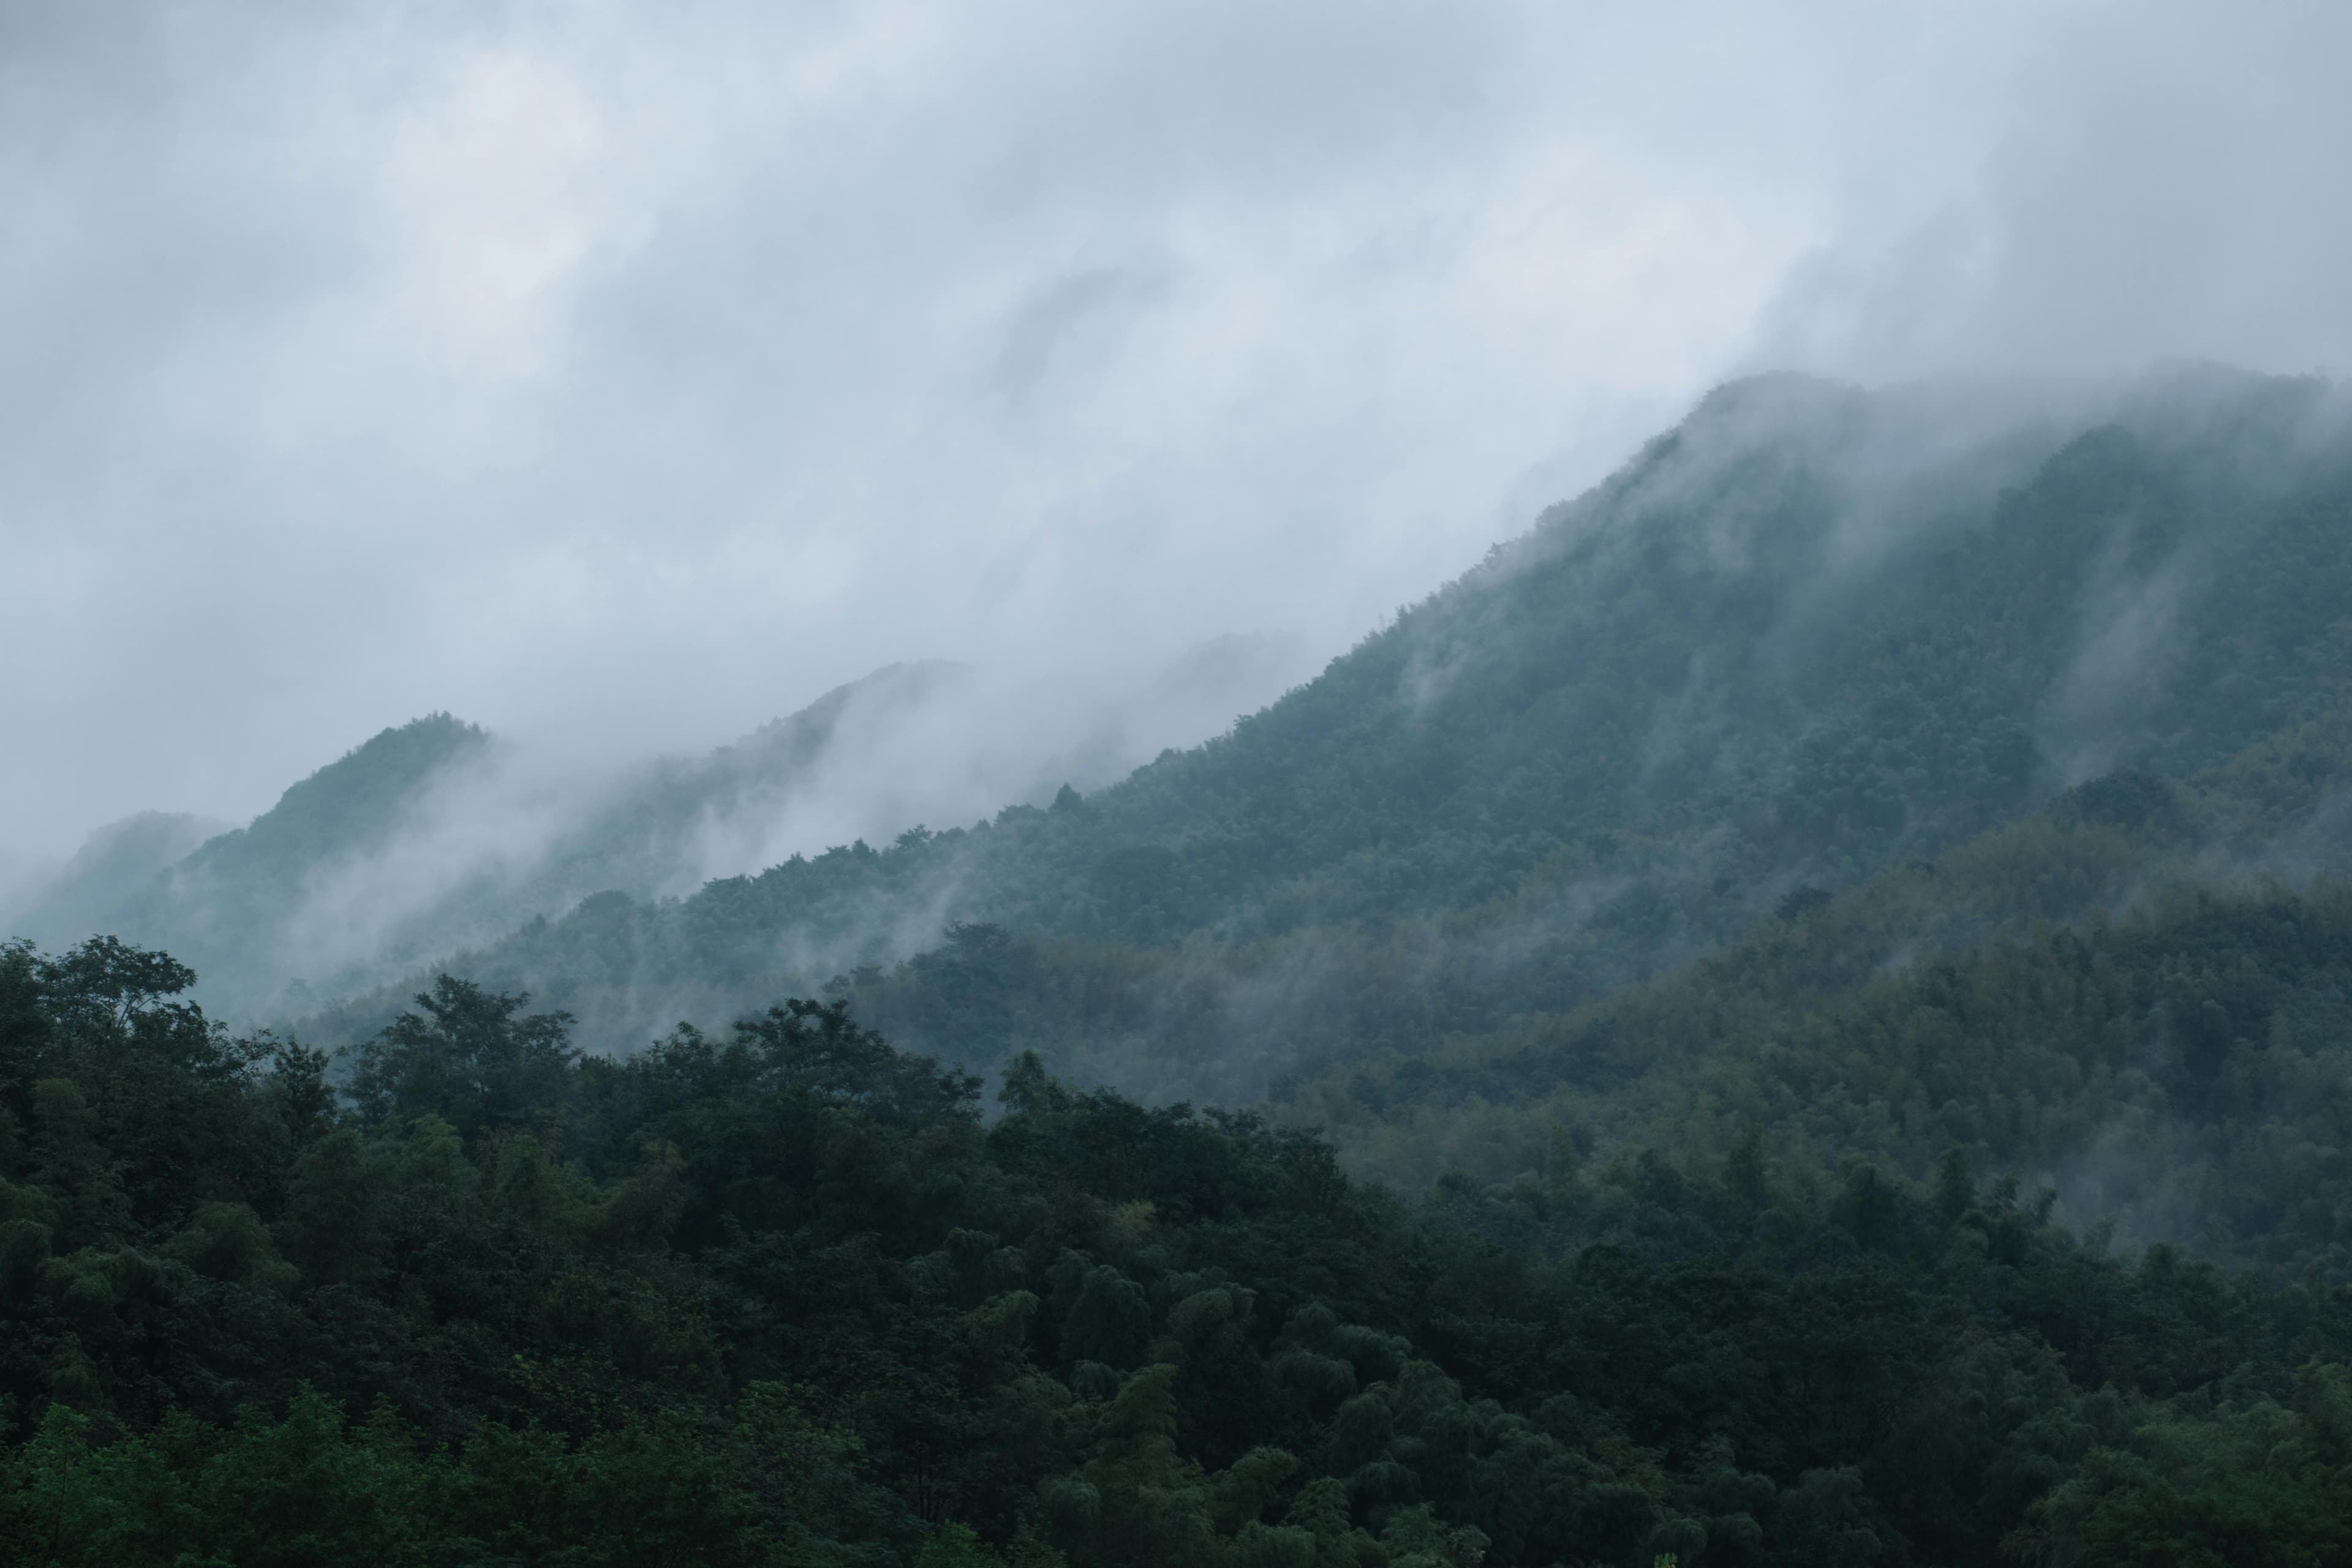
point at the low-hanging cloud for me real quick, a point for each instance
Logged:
(2156, 186)
(621, 378)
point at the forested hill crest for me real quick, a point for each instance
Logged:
(352, 804)
(430, 834)
(1810, 632)
(646, 838)
(347, 807)
(211, 901)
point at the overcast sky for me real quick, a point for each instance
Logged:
(621, 376)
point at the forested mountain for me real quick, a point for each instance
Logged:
(235, 901)
(434, 834)
(1795, 1015)
(428, 836)
(655, 834)
(1811, 635)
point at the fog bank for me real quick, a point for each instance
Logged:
(622, 379)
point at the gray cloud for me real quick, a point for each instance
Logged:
(2158, 184)
(621, 377)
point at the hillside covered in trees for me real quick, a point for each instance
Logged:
(1825, 689)
(1795, 1014)
(1807, 637)
(423, 838)
(781, 1294)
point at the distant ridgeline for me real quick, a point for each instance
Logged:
(228, 900)
(415, 844)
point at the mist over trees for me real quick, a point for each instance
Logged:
(434, 836)
(1794, 1015)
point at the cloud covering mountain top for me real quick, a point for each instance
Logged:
(622, 379)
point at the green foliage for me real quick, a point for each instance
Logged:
(465, 1056)
(308, 1489)
(786, 1296)
(2184, 1484)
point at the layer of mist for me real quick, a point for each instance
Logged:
(436, 834)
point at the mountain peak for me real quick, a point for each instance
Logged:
(353, 805)
(354, 799)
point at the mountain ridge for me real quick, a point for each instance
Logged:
(1784, 645)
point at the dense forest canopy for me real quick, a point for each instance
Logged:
(1795, 1014)
(784, 1294)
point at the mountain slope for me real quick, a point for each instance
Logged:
(1809, 635)
(432, 835)
(177, 879)
(427, 834)
(111, 870)
(232, 905)
(666, 822)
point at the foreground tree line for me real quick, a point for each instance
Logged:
(784, 1294)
